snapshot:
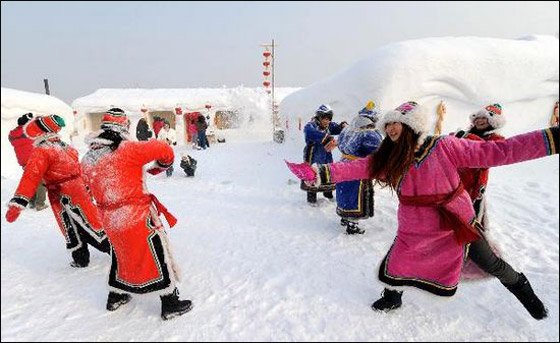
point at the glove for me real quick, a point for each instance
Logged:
(155, 170)
(331, 145)
(302, 171)
(13, 213)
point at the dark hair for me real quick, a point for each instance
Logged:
(392, 160)
(113, 136)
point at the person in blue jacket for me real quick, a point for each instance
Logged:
(319, 142)
(358, 140)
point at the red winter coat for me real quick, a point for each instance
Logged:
(475, 180)
(22, 145)
(142, 262)
(57, 164)
(158, 124)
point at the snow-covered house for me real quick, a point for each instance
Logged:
(247, 105)
(15, 103)
(466, 73)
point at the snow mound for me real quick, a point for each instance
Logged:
(467, 73)
(16, 103)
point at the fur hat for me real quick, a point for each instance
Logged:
(115, 120)
(409, 113)
(494, 115)
(24, 119)
(43, 125)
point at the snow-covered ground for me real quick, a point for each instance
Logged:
(261, 265)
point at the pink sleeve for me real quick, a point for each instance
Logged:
(346, 171)
(465, 153)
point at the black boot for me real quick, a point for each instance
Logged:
(172, 307)
(115, 300)
(80, 257)
(329, 196)
(312, 198)
(352, 228)
(390, 300)
(343, 221)
(524, 293)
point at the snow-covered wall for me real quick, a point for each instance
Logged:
(467, 73)
(250, 102)
(16, 103)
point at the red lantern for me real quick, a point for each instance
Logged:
(266, 73)
(267, 54)
(266, 83)
(208, 106)
(75, 112)
(266, 64)
(178, 111)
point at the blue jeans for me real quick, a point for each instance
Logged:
(202, 139)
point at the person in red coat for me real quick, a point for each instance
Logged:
(158, 125)
(57, 164)
(142, 261)
(483, 256)
(22, 147)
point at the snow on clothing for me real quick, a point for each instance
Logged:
(355, 198)
(141, 259)
(316, 139)
(57, 164)
(169, 136)
(426, 254)
(22, 144)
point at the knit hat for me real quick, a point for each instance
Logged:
(367, 116)
(324, 111)
(494, 115)
(409, 113)
(42, 125)
(115, 120)
(24, 119)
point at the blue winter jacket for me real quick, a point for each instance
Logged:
(359, 142)
(315, 141)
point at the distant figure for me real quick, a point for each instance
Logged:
(158, 124)
(169, 136)
(201, 127)
(188, 164)
(23, 146)
(143, 132)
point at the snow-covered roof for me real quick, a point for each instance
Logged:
(16, 103)
(465, 72)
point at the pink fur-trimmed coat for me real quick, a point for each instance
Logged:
(425, 253)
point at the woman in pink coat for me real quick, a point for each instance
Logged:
(436, 217)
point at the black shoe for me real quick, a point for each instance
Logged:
(352, 228)
(80, 257)
(524, 293)
(172, 307)
(389, 300)
(343, 221)
(115, 300)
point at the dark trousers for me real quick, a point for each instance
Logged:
(312, 196)
(484, 257)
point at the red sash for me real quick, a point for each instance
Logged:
(464, 231)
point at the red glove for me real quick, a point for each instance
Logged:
(13, 213)
(155, 170)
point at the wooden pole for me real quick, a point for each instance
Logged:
(441, 111)
(554, 118)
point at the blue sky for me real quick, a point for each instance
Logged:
(83, 46)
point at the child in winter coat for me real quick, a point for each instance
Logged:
(358, 140)
(56, 163)
(23, 146)
(188, 164)
(142, 260)
(318, 146)
(436, 215)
